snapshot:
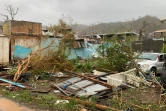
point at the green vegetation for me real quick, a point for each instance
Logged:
(130, 99)
(38, 100)
(54, 61)
(45, 101)
(116, 55)
(132, 25)
(163, 48)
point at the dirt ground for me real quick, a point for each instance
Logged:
(8, 105)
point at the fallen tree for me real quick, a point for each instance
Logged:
(67, 40)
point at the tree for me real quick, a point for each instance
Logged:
(144, 24)
(55, 59)
(11, 12)
(62, 29)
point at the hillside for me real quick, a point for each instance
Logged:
(152, 24)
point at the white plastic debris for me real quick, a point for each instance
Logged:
(59, 74)
(62, 101)
(56, 91)
(95, 55)
(95, 72)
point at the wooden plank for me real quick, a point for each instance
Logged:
(90, 104)
(42, 90)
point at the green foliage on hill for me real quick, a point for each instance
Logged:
(152, 24)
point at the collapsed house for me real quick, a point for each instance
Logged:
(20, 38)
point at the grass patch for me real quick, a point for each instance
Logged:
(38, 100)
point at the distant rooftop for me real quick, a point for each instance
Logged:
(163, 20)
(44, 27)
(160, 31)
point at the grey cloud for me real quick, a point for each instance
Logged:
(85, 11)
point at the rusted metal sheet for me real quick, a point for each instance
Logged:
(21, 47)
(4, 50)
(19, 28)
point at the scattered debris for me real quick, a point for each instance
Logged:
(80, 86)
(98, 106)
(13, 83)
(58, 74)
(61, 90)
(45, 90)
(95, 72)
(102, 84)
(92, 79)
(129, 77)
(56, 91)
(62, 101)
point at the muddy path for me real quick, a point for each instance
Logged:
(9, 105)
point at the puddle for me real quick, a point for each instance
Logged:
(8, 105)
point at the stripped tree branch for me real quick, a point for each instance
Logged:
(11, 11)
(6, 17)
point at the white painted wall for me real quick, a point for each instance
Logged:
(4, 50)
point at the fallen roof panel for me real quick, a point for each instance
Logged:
(79, 85)
(64, 84)
(82, 85)
(91, 90)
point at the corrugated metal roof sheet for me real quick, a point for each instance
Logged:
(91, 90)
(68, 82)
(80, 86)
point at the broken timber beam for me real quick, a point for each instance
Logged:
(113, 72)
(92, 79)
(61, 90)
(103, 75)
(86, 103)
(4, 84)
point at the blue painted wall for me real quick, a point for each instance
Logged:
(86, 52)
(81, 52)
(21, 52)
(53, 47)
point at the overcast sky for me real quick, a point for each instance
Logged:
(84, 11)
